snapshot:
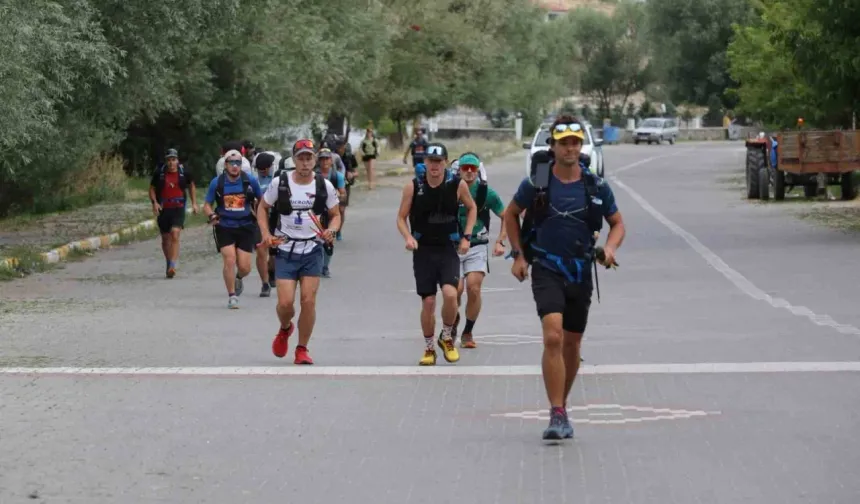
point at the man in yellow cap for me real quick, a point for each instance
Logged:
(565, 207)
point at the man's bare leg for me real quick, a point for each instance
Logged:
(228, 254)
(308, 316)
(572, 353)
(553, 359)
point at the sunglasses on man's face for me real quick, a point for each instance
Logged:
(468, 167)
(235, 162)
(561, 128)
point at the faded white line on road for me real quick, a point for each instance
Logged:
(442, 370)
(624, 168)
(638, 414)
(740, 281)
(484, 290)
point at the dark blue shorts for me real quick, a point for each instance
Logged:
(299, 265)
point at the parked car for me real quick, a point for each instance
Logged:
(591, 147)
(656, 130)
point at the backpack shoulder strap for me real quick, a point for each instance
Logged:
(540, 176)
(481, 195)
(219, 189)
(594, 215)
(417, 186)
(283, 204)
(247, 190)
(320, 206)
(183, 182)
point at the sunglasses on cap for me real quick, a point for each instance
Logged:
(468, 167)
(303, 144)
(561, 128)
(436, 151)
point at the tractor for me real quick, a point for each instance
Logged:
(790, 159)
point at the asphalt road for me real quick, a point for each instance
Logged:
(721, 366)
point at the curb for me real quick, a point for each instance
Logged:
(88, 244)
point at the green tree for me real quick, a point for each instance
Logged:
(689, 40)
(798, 60)
(611, 59)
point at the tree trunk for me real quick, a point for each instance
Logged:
(399, 123)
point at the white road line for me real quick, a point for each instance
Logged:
(484, 290)
(443, 370)
(741, 282)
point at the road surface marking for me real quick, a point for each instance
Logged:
(508, 339)
(741, 282)
(442, 370)
(628, 414)
(484, 290)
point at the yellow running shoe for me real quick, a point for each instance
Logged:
(429, 358)
(449, 351)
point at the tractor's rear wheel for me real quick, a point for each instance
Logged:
(849, 192)
(755, 163)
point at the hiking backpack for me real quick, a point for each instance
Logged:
(538, 210)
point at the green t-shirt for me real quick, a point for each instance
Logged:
(493, 203)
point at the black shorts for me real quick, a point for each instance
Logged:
(368, 158)
(435, 265)
(170, 218)
(554, 294)
(244, 238)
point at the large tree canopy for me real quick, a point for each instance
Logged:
(799, 59)
(84, 78)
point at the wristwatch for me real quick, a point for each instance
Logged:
(515, 253)
(467, 236)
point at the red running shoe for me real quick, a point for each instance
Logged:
(302, 356)
(280, 344)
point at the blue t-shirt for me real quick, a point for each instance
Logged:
(566, 219)
(264, 182)
(337, 179)
(235, 211)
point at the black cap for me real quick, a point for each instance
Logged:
(264, 161)
(248, 144)
(436, 150)
(171, 153)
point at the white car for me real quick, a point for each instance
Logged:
(591, 147)
(656, 130)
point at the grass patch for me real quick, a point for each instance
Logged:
(844, 218)
(101, 180)
(737, 179)
(25, 361)
(30, 259)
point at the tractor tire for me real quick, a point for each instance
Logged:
(763, 184)
(755, 163)
(849, 192)
(779, 185)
